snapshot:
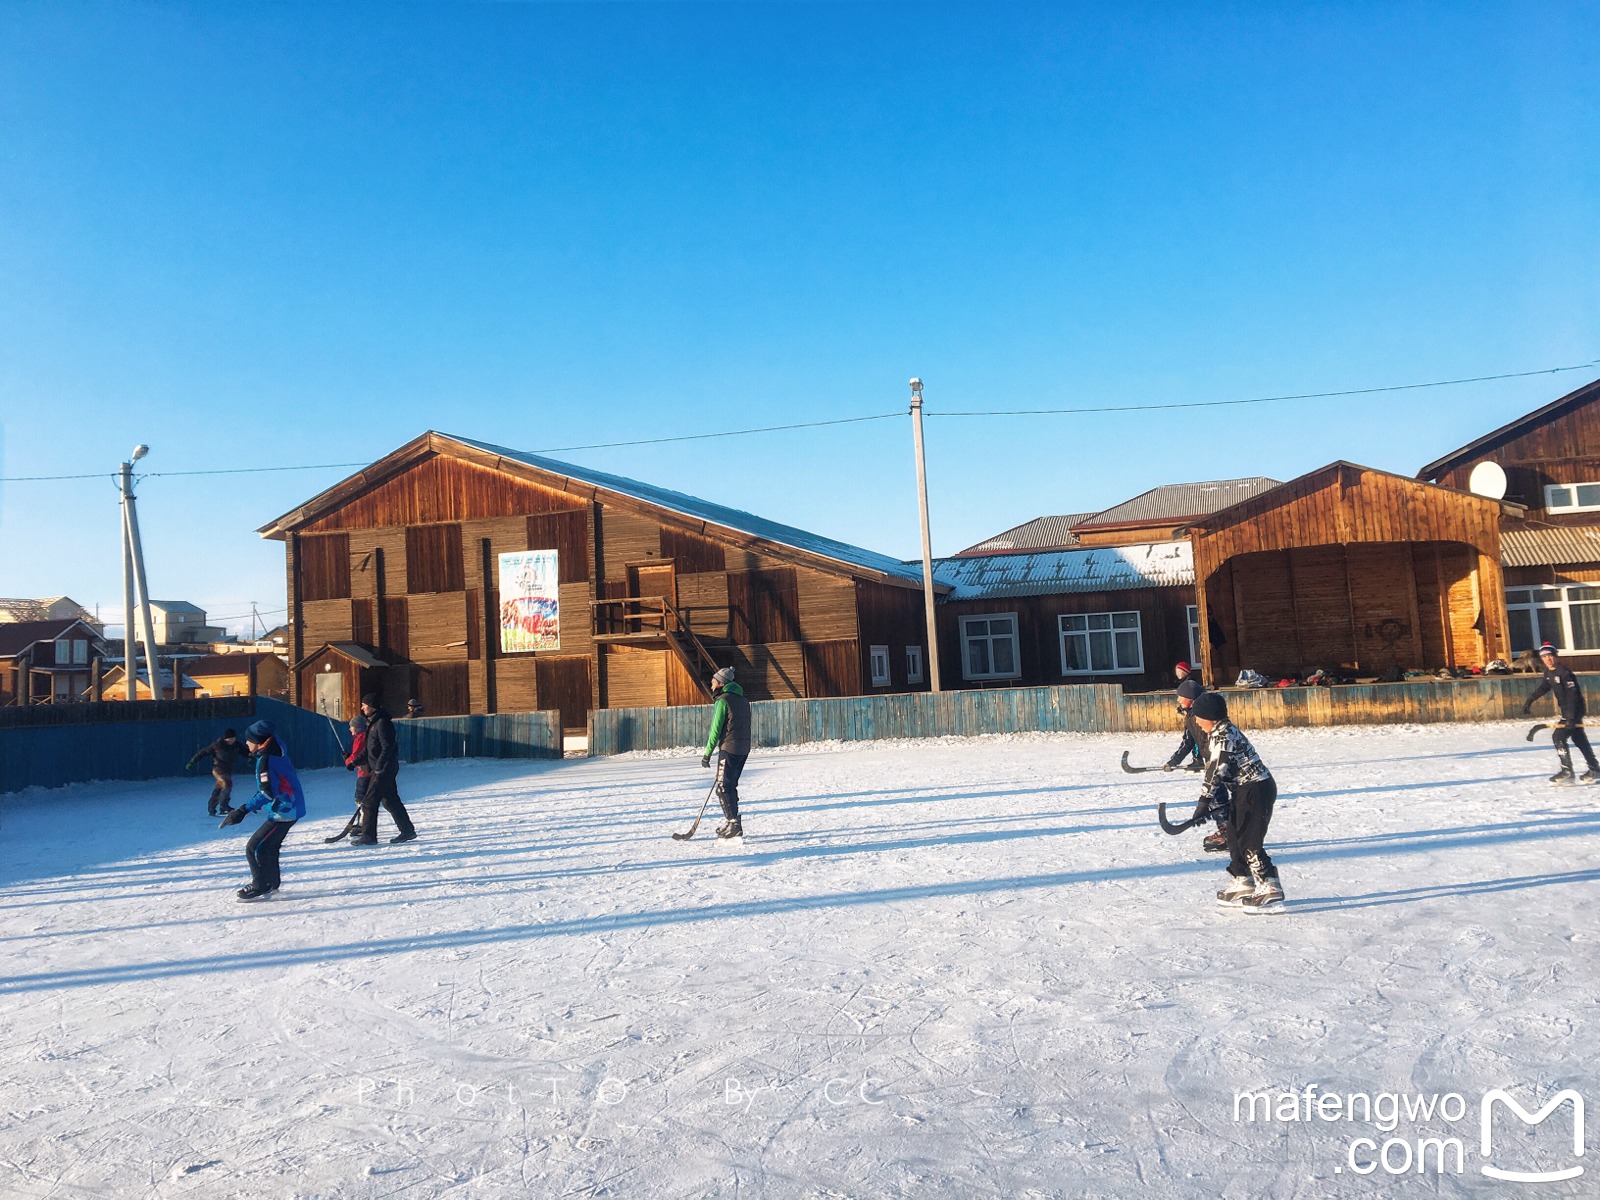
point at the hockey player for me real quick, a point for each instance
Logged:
(1558, 678)
(278, 790)
(730, 739)
(383, 764)
(356, 761)
(1196, 747)
(225, 754)
(1239, 791)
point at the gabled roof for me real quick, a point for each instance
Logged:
(1049, 573)
(219, 664)
(1041, 533)
(1263, 500)
(1174, 503)
(354, 651)
(178, 606)
(1477, 449)
(577, 480)
(17, 636)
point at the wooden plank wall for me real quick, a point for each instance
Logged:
(1163, 627)
(1564, 448)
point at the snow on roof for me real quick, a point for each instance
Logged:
(1181, 501)
(1101, 569)
(715, 514)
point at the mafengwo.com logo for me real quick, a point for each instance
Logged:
(1393, 1134)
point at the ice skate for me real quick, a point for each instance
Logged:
(1215, 843)
(1265, 894)
(1239, 886)
(1563, 776)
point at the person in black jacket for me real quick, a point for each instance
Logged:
(383, 762)
(225, 754)
(1558, 678)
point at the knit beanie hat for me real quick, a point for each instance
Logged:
(358, 724)
(723, 677)
(1191, 689)
(1210, 707)
(260, 732)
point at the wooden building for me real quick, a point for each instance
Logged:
(238, 675)
(652, 590)
(1548, 462)
(1120, 614)
(47, 662)
(113, 685)
(1354, 568)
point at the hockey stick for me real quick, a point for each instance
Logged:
(1167, 826)
(704, 804)
(1552, 725)
(1132, 770)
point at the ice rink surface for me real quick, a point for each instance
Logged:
(952, 968)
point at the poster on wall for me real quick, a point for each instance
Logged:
(530, 605)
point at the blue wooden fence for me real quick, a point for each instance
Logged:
(1094, 707)
(1087, 708)
(144, 748)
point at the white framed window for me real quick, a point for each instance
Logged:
(1101, 644)
(1572, 497)
(989, 647)
(1194, 636)
(80, 651)
(878, 656)
(1566, 617)
(914, 664)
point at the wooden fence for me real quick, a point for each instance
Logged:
(1084, 708)
(87, 745)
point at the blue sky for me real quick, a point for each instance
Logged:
(277, 234)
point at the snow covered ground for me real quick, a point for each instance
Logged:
(962, 968)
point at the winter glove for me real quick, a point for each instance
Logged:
(233, 818)
(1527, 709)
(349, 766)
(1202, 810)
(705, 760)
(1169, 766)
(188, 767)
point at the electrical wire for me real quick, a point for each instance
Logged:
(1373, 391)
(1018, 412)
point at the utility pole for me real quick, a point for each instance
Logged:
(927, 538)
(130, 645)
(141, 589)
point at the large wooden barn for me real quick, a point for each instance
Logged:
(479, 579)
(1548, 462)
(1350, 567)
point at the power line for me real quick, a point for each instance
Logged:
(1399, 387)
(1021, 412)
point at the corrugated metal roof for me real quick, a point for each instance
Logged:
(1181, 501)
(716, 514)
(1041, 533)
(1549, 547)
(1101, 569)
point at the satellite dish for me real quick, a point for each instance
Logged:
(1488, 479)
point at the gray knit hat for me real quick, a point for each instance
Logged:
(723, 677)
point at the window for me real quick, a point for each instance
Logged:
(879, 657)
(1572, 497)
(1566, 617)
(1194, 636)
(914, 664)
(1101, 644)
(989, 647)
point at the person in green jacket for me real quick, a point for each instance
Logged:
(730, 739)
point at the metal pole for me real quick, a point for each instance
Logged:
(142, 592)
(130, 652)
(927, 538)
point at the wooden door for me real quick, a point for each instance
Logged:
(659, 580)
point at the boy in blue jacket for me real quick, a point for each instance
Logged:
(278, 791)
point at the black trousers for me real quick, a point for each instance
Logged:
(1246, 829)
(222, 793)
(729, 768)
(1580, 739)
(262, 853)
(384, 790)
